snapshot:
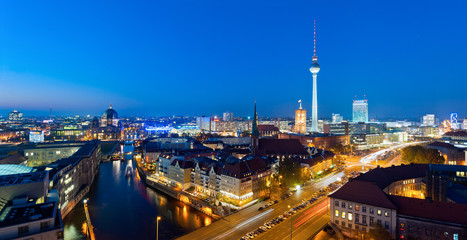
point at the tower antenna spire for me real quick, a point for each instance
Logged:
(314, 38)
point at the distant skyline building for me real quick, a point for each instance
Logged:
(36, 136)
(314, 69)
(300, 119)
(428, 120)
(360, 111)
(228, 116)
(15, 115)
(337, 118)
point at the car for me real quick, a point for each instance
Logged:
(277, 201)
(260, 208)
(267, 226)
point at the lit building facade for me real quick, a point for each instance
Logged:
(300, 119)
(15, 115)
(428, 120)
(360, 111)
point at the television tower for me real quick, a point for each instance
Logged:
(314, 69)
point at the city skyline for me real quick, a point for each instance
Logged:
(80, 66)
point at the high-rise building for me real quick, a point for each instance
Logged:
(428, 120)
(314, 69)
(15, 115)
(228, 116)
(300, 119)
(360, 111)
(464, 124)
(337, 118)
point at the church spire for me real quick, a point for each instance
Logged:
(254, 134)
(254, 129)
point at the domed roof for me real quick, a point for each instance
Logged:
(110, 114)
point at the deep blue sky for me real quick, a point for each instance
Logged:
(205, 57)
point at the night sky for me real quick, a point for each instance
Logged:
(159, 58)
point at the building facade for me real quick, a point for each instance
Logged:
(360, 111)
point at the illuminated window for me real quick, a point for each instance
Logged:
(386, 213)
(350, 216)
(379, 212)
(343, 215)
(337, 213)
(350, 206)
(357, 207)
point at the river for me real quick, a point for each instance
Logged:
(124, 208)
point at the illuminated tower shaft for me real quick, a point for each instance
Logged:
(314, 69)
(314, 110)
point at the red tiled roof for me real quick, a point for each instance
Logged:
(281, 147)
(268, 127)
(441, 211)
(363, 192)
(240, 168)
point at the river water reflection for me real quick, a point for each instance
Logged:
(124, 208)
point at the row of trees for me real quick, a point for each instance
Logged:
(423, 155)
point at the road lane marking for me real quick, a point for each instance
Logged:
(244, 223)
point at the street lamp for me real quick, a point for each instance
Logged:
(157, 228)
(291, 217)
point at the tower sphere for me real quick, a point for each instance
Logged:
(314, 68)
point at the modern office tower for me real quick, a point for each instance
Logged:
(429, 120)
(360, 111)
(464, 124)
(228, 116)
(337, 118)
(15, 115)
(300, 119)
(314, 69)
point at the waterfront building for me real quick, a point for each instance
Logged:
(245, 180)
(109, 126)
(228, 116)
(428, 120)
(337, 118)
(180, 173)
(46, 153)
(15, 115)
(206, 176)
(314, 69)
(72, 177)
(360, 111)
(300, 119)
(394, 197)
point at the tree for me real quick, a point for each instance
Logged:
(423, 155)
(379, 233)
(289, 173)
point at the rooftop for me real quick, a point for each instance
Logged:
(383, 177)
(441, 211)
(363, 192)
(23, 178)
(23, 214)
